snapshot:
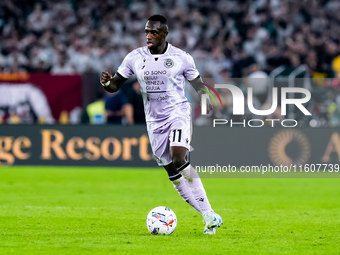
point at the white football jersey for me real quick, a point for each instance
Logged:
(162, 81)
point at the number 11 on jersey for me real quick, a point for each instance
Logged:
(177, 135)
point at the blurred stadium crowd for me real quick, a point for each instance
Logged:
(228, 39)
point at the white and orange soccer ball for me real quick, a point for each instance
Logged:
(161, 221)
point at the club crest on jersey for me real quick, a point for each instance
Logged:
(168, 63)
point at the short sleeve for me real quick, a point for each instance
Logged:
(125, 69)
(190, 70)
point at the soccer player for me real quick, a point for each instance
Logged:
(161, 70)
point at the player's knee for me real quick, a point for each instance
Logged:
(178, 162)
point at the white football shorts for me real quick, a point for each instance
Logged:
(176, 132)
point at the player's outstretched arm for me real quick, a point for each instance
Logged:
(111, 83)
(198, 84)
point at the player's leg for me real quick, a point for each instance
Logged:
(179, 158)
(180, 185)
(180, 137)
(211, 220)
(159, 140)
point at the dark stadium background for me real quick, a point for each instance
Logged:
(72, 182)
(62, 46)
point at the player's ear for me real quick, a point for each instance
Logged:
(165, 31)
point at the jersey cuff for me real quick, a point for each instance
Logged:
(198, 76)
(122, 76)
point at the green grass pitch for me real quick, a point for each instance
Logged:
(68, 210)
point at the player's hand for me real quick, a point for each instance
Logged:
(105, 77)
(210, 106)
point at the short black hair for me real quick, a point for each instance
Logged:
(160, 18)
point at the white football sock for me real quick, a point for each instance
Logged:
(193, 180)
(186, 193)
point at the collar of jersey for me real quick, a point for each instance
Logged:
(158, 55)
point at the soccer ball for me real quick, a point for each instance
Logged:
(161, 221)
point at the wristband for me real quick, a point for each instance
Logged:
(106, 84)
